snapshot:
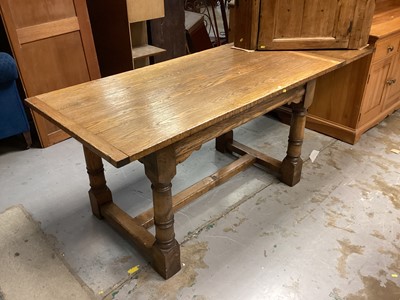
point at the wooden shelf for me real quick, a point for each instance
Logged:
(146, 51)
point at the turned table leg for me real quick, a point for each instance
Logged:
(292, 163)
(290, 171)
(160, 168)
(99, 193)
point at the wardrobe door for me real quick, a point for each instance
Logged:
(53, 46)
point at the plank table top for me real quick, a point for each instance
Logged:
(125, 117)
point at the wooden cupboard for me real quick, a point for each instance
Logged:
(355, 98)
(302, 24)
(53, 47)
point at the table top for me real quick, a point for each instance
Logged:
(129, 115)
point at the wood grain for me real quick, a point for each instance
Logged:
(141, 111)
(294, 24)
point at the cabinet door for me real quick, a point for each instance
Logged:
(374, 93)
(311, 24)
(53, 47)
(392, 96)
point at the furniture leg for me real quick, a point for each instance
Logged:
(99, 193)
(160, 168)
(290, 171)
(28, 139)
(222, 142)
(291, 166)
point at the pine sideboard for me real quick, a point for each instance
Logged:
(353, 99)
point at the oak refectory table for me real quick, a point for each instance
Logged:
(160, 114)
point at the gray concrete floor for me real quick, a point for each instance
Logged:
(335, 235)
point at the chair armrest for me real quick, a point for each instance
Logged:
(8, 68)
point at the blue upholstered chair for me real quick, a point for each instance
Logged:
(13, 119)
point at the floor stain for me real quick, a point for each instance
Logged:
(332, 218)
(332, 162)
(395, 256)
(151, 286)
(378, 235)
(347, 249)
(376, 290)
(390, 191)
(123, 259)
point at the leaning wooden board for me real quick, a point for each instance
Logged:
(162, 113)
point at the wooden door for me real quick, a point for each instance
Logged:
(313, 24)
(374, 92)
(53, 46)
(392, 96)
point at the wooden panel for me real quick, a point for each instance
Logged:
(345, 83)
(373, 96)
(109, 21)
(393, 84)
(314, 24)
(53, 47)
(295, 25)
(386, 47)
(46, 30)
(322, 10)
(27, 13)
(65, 63)
(169, 32)
(361, 24)
(287, 17)
(246, 23)
(142, 10)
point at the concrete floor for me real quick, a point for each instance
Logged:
(335, 235)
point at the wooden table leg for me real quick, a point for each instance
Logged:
(222, 142)
(160, 168)
(292, 164)
(99, 193)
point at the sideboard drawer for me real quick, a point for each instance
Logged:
(386, 47)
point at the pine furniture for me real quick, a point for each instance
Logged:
(302, 24)
(351, 100)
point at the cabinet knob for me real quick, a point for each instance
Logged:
(390, 81)
(390, 48)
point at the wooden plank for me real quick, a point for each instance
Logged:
(146, 51)
(109, 19)
(142, 10)
(246, 23)
(200, 188)
(325, 12)
(46, 30)
(169, 32)
(261, 158)
(128, 227)
(362, 21)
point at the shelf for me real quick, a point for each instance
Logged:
(146, 51)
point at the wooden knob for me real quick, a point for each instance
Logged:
(390, 48)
